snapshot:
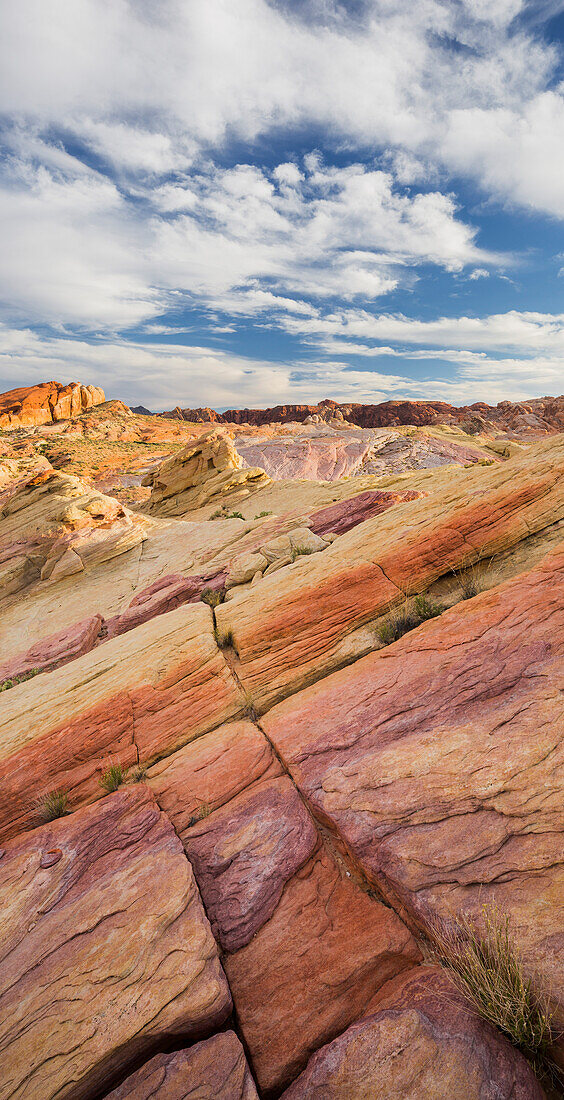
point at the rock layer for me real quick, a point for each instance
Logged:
(208, 470)
(99, 962)
(461, 722)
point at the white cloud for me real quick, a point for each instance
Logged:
(165, 375)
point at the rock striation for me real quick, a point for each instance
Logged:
(99, 963)
(215, 1069)
(208, 470)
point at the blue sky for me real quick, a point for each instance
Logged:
(231, 204)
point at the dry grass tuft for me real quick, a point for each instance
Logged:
(485, 966)
(53, 805)
(112, 778)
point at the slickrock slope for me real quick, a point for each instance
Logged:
(300, 803)
(133, 699)
(421, 1043)
(45, 403)
(213, 1070)
(460, 724)
(99, 962)
(289, 631)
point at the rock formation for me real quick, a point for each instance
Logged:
(46, 403)
(235, 803)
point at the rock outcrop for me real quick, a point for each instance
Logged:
(421, 1043)
(45, 403)
(213, 1070)
(209, 470)
(99, 962)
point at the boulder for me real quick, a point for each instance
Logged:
(206, 471)
(422, 1042)
(215, 1069)
(101, 964)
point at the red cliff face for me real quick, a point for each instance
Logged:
(49, 401)
(545, 414)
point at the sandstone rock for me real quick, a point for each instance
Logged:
(312, 969)
(304, 541)
(163, 595)
(293, 627)
(422, 1043)
(209, 470)
(341, 517)
(459, 722)
(213, 1070)
(100, 963)
(137, 697)
(211, 771)
(58, 649)
(244, 568)
(244, 854)
(31, 405)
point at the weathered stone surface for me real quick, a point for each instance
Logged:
(295, 625)
(312, 969)
(210, 469)
(215, 1069)
(46, 402)
(163, 595)
(341, 517)
(138, 697)
(421, 1043)
(244, 854)
(439, 762)
(58, 649)
(100, 962)
(211, 771)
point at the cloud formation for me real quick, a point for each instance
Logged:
(295, 166)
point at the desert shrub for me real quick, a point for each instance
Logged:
(261, 515)
(213, 596)
(485, 966)
(138, 774)
(112, 778)
(427, 609)
(397, 624)
(301, 552)
(53, 805)
(203, 811)
(234, 515)
(223, 640)
(5, 685)
(218, 514)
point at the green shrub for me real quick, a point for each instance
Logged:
(53, 805)
(213, 596)
(234, 515)
(427, 609)
(5, 685)
(112, 778)
(402, 620)
(261, 515)
(485, 966)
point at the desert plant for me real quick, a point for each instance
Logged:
(213, 596)
(397, 624)
(301, 552)
(261, 515)
(203, 811)
(112, 778)
(234, 515)
(53, 805)
(223, 640)
(5, 685)
(469, 581)
(218, 514)
(485, 966)
(427, 609)
(138, 774)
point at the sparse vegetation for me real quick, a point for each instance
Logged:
(261, 515)
(5, 685)
(138, 774)
(406, 618)
(203, 811)
(53, 805)
(220, 513)
(485, 966)
(234, 515)
(213, 596)
(223, 640)
(112, 778)
(471, 580)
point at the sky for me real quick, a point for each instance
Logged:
(250, 202)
